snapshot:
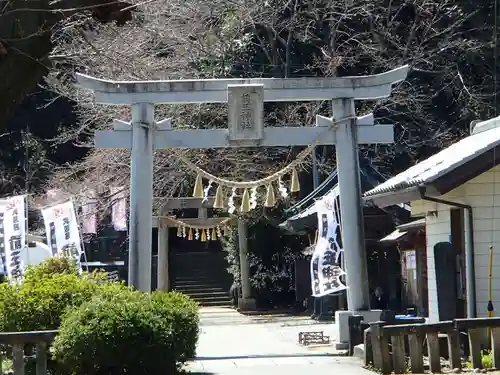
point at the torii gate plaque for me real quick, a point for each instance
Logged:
(246, 128)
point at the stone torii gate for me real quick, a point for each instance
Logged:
(246, 99)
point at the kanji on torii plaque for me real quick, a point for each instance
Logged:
(246, 128)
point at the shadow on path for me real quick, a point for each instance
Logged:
(271, 356)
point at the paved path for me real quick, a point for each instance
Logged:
(233, 344)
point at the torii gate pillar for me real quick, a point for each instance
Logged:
(351, 206)
(141, 196)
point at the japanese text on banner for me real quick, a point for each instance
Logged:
(12, 236)
(61, 227)
(325, 268)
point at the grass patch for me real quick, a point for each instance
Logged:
(6, 365)
(486, 360)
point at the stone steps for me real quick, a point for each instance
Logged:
(203, 277)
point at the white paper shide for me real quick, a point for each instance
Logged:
(325, 268)
(12, 235)
(61, 228)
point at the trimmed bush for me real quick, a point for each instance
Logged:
(183, 315)
(51, 267)
(105, 327)
(131, 333)
(49, 290)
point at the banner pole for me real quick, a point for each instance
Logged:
(27, 171)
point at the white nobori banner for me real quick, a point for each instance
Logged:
(61, 228)
(12, 235)
(325, 267)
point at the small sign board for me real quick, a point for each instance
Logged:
(246, 114)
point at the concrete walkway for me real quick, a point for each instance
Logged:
(231, 343)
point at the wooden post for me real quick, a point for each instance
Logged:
(380, 345)
(475, 347)
(421, 252)
(495, 346)
(376, 333)
(398, 333)
(41, 358)
(454, 349)
(398, 353)
(18, 358)
(434, 353)
(368, 346)
(476, 328)
(416, 352)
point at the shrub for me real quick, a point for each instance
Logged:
(132, 333)
(183, 315)
(48, 291)
(51, 267)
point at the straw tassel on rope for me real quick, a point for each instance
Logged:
(190, 234)
(245, 202)
(203, 235)
(270, 197)
(295, 184)
(198, 187)
(214, 234)
(219, 198)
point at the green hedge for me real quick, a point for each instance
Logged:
(51, 267)
(105, 327)
(131, 333)
(47, 292)
(182, 312)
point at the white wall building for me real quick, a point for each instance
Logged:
(458, 192)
